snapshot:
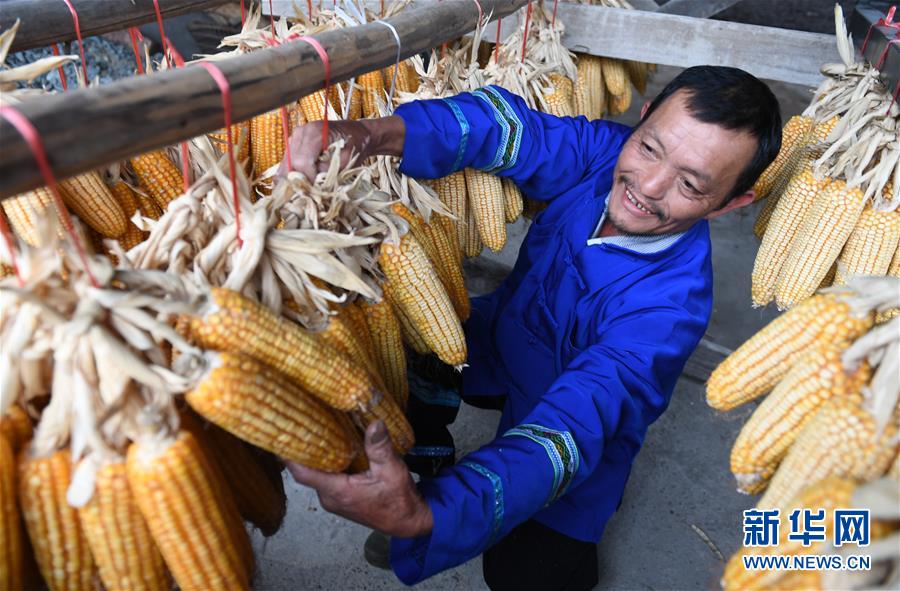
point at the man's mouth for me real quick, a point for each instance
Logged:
(643, 209)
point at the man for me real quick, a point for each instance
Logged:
(584, 341)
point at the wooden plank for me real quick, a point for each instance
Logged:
(707, 356)
(696, 8)
(85, 129)
(44, 23)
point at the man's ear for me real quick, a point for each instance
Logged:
(644, 109)
(737, 202)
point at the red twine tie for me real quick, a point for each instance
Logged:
(225, 89)
(886, 21)
(62, 73)
(323, 55)
(185, 153)
(33, 138)
(162, 33)
(555, 6)
(497, 44)
(527, 23)
(243, 15)
(271, 19)
(80, 40)
(135, 38)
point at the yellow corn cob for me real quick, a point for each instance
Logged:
(796, 201)
(261, 406)
(512, 200)
(356, 317)
(410, 333)
(148, 206)
(388, 348)
(91, 200)
(614, 76)
(129, 203)
(267, 138)
(259, 499)
(818, 243)
(637, 73)
(385, 409)
(417, 290)
(453, 193)
(775, 424)
(765, 215)
(448, 227)
(343, 336)
(486, 205)
(560, 100)
(619, 103)
(23, 211)
(760, 363)
(15, 425)
(158, 176)
(119, 538)
(840, 440)
(240, 136)
(54, 529)
(894, 471)
(893, 271)
(828, 494)
(355, 111)
(11, 550)
(590, 90)
(796, 134)
(407, 78)
(871, 245)
(171, 480)
(312, 106)
(236, 324)
(372, 84)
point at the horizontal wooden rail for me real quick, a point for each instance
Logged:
(44, 22)
(85, 129)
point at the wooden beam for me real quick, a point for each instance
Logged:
(45, 22)
(85, 129)
(696, 8)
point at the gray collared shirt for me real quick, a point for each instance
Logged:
(633, 242)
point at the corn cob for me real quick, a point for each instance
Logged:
(373, 86)
(794, 136)
(259, 498)
(312, 106)
(409, 332)
(11, 550)
(148, 206)
(486, 204)
(619, 103)
(355, 111)
(590, 90)
(171, 480)
(356, 317)
(419, 293)
(385, 409)
(343, 336)
(158, 176)
(236, 324)
(453, 193)
(775, 424)
(240, 136)
(893, 271)
(119, 538)
(91, 200)
(258, 404)
(871, 245)
(760, 363)
(840, 440)
(818, 243)
(560, 100)
(407, 77)
(765, 215)
(448, 227)
(360, 461)
(267, 138)
(797, 200)
(15, 425)
(23, 211)
(388, 348)
(637, 73)
(129, 203)
(60, 547)
(512, 200)
(614, 76)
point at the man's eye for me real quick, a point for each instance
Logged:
(688, 186)
(646, 147)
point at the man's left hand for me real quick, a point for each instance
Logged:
(384, 497)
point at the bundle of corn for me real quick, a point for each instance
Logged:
(603, 83)
(880, 497)
(833, 190)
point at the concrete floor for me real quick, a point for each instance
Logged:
(680, 485)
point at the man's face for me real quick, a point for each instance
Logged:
(675, 170)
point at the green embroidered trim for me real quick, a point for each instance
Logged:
(464, 130)
(497, 520)
(561, 450)
(510, 126)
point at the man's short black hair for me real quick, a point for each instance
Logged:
(736, 100)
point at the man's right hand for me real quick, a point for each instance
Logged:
(362, 138)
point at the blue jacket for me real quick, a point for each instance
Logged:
(586, 341)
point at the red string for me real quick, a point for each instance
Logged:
(243, 15)
(185, 152)
(885, 53)
(33, 138)
(527, 23)
(133, 32)
(225, 89)
(893, 98)
(162, 33)
(286, 136)
(323, 55)
(80, 40)
(885, 21)
(555, 6)
(271, 19)
(480, 11)
(497, 44)
(382, 8)
(62, 72)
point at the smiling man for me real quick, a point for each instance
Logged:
(582, 344)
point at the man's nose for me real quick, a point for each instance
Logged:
(656, 180)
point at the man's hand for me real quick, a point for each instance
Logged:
(383, 498)
(363, 138)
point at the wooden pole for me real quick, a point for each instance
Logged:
(44, 22)
(85, 129)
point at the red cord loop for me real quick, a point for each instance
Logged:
(162, 32)
(497, 41)
(80, 40)
(135, 38)
(886, 21)
(62, 72)
(480, 11)
(323, 55)
(555, 6)
(885, 53)
(243, 15)
(225, 89)
(527, 23)
(33, 138)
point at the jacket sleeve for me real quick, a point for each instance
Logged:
(614, 389)
(494, 131)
